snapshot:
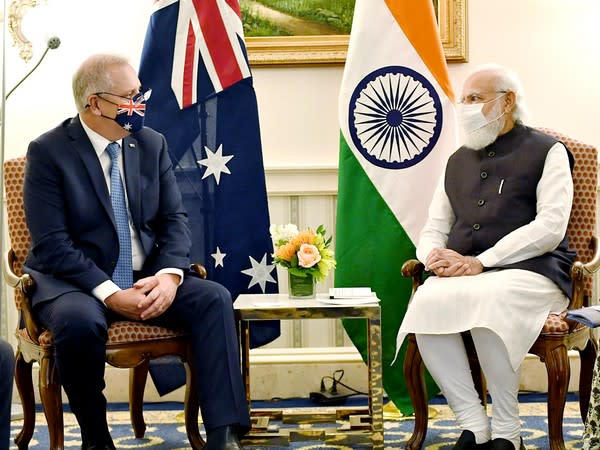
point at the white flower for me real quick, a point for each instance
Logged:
(283, 233)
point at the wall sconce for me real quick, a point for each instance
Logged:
(16, 12)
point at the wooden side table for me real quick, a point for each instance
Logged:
(250, 307)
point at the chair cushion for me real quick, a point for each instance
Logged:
(558, 324)
(120, 332)
(128, 331)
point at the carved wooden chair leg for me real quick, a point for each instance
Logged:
(50, 394)
(24, 384)
(191, 411)
(137, 384)
(587, 358)
(559, 372)
(415, 381)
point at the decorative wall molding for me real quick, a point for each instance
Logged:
(301, 180)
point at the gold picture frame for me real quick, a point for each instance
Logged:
(331, 49)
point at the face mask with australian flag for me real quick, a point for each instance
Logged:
(131, 115)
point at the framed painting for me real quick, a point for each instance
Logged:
(277, 34)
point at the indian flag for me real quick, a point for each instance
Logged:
(398, 128)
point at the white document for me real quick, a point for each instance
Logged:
(353, 292)
(350, 301)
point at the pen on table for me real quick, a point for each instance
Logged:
(500, 187)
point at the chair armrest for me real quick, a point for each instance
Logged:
(578, 271)
(593, 265)
(25, 284)
(414, 269)
(11, 278)
(199, 269)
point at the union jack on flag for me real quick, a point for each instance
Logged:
(203, 102)
(208, 33)
(132, 107)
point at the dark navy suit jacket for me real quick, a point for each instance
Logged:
(69, 214)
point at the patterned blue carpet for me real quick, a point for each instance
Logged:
(166, 430)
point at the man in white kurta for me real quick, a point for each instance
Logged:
(502, 292)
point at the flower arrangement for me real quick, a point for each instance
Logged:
(303, 253)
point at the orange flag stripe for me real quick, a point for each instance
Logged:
(416, 18)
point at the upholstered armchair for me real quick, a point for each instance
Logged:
(130, 344)
(558, 335)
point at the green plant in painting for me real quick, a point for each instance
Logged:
(254, 25)
(334, 15)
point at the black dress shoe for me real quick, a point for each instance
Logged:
(223, 438)
(505, 444)
(466, 441)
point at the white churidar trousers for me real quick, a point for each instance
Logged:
(506, 309)
(446, 360)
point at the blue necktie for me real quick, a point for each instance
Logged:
(123, 273)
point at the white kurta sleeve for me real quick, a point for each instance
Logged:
(439, 222)
(553, 208)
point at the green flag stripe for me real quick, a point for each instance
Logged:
(370, 248)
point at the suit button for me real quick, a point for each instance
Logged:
(476, 226)
(113, 264)
(491, 154)
(484, 175)
(480, 202)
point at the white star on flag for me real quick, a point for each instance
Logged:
(215, 163)
(260, 272)
(219, 257)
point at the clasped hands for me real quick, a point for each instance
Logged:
(148, 298)
(447, 263)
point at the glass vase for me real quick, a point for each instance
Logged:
(301, 287)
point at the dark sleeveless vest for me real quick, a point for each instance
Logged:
(493, 192)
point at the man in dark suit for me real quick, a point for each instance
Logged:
(109, 240)
(7, 370)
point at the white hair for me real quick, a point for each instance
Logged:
(507, 80)
(92, 76)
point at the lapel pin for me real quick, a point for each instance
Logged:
(131, 145)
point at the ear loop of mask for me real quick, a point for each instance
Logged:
(101, 114)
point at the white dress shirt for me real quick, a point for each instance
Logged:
(107, 288)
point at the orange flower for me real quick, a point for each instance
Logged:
(286, 251)
(303, 237)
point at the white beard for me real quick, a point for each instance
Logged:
(487, 134)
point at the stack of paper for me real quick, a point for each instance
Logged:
(351, 296)
(353, 292)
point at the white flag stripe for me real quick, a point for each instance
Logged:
(400, 189)
(206, 58)
(179, 50)
(234, 27)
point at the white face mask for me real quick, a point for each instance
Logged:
(472, 117)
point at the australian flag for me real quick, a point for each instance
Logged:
(194, 60)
